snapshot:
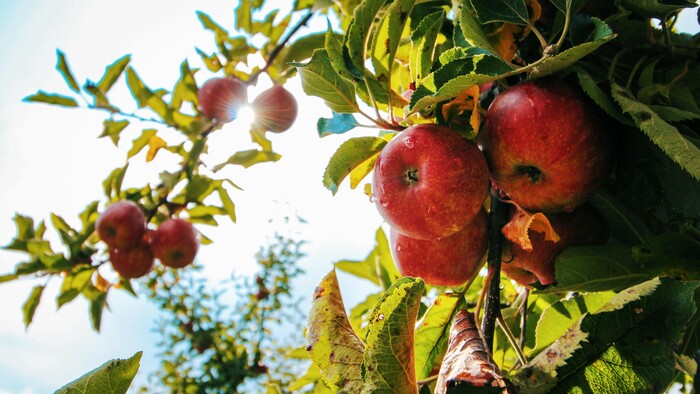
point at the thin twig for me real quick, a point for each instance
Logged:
(492, 308)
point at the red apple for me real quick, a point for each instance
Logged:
(133, 262)
(546, 145)
(222, 98)
(429, 182)
(275, 109)
(175, 243)
(448, 261)
(122, 225)
(583, 226)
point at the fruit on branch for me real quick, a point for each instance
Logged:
(133, 262)
(546, 145)
(429, 182)
(222, 98)
(448, 261)
(275, 109)
(175, 243)
(581, 227)
(122, 225)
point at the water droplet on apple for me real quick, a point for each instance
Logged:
(398, 247)
(384, 203)
(408, 143)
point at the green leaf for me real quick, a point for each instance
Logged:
(112, 73)
(597, 268)
(227, 203)
(470, 26)
(64, 69)
(673, 114)
(137, 88)
(332, 344)
(97, 306)
(423, 43)
(29, 306)
(360, 313)
(112, 185)
(301, 49)
(387, 38)
(248, 158)
(601, 34)
(562, 314)
(600, 97)
(212, 61)
(628, 343)
(433, 333)
(388, 364)
(664, 135)
(356, 35)
(185, 88)
(576, 5)
(73, 285)
(319, 78)
(378, 267)
(113, 377)
(244, 17)
(113, 129)
(338, 124)
(50, 98)
(100, 100)
(510, 11)
(8, 277)
(656, 8)
(139, 143)
(350, 155)
(334, 49)
(624, 224)
(672, 254)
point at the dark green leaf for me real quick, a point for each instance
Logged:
(64, 69)
(624, 224)
(600, 97)
(112, 73)
(356, 34)
(49, 98)
(511, 11)
(248, 158)
(656, 8)
(576, 5)
(29, 306)
(349, 156)
(97, 305)
(338, 124)
(319, 78)
(423, 43)
(471, 27)
(113, 377)
(671, 254)
(113, 129)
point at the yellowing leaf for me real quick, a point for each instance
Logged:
(154, 145)
(522, 221)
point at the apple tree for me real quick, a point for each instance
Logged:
(536, 164)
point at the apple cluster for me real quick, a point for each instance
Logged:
(544, 148)
(133, 247)
(222, 98)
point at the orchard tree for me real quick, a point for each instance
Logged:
(553, 143)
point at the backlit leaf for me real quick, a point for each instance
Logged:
(73, 285)
(50, 98)
(378, 267)
(155, 143)
(356, 35)
(112, 129)
(113, 377)
(227, 203)
(351, 154)
(423, 43)
(112, 73)
(248, 158)
(432, 333)
(319, 78)
(139, 143)
(64, 69)
(30, 305)
(387, 38)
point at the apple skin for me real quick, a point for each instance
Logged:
(581, 227)
(546, 146)
(132, 263)
(448, 261)
(122, 225)
(175, 243)
(221, 98)
(275, 109)
(429, 182)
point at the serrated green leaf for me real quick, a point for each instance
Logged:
(97, 306)
(356, 35)
(73, 285)
(673, 114)
(470, 26)
(600, 97)
(423, 43)
(112, 73)
(50, 98)
(64, 69)
(30, 305)
(333, 45)
(319, 78)
(139, 143)
(597, 268)
(112, 129)
(338, 124)
(665, 136)
(601, 34)
(432, 334)
(386, 40)
(626, 346)
(332, 344)
(351, 154)
(113, 377)
(248, 158)
(510, 11)
(388, 364)
(624, 224)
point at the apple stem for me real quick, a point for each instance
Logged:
(492, 311)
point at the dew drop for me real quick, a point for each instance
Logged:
(398, 247)
(384, 203)
(380, 316)
(501, 286)
(408, 143)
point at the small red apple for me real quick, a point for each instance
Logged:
(122, 225)
(429, 182)
(222, 98)
(546, 145)
(133, 262)
(275, 109)
(448, 261)
(175, 243)
(581, 227)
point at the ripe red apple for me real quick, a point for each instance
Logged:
(546, 145)
(581, 227)
(275, 109)
(448, 261)
(429, 182)
(175, 243)
(122, 225)
(133, 262)
(222, 98)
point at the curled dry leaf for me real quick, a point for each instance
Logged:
(468, 361)
(522, 221)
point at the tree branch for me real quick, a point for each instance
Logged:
(492, 308)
